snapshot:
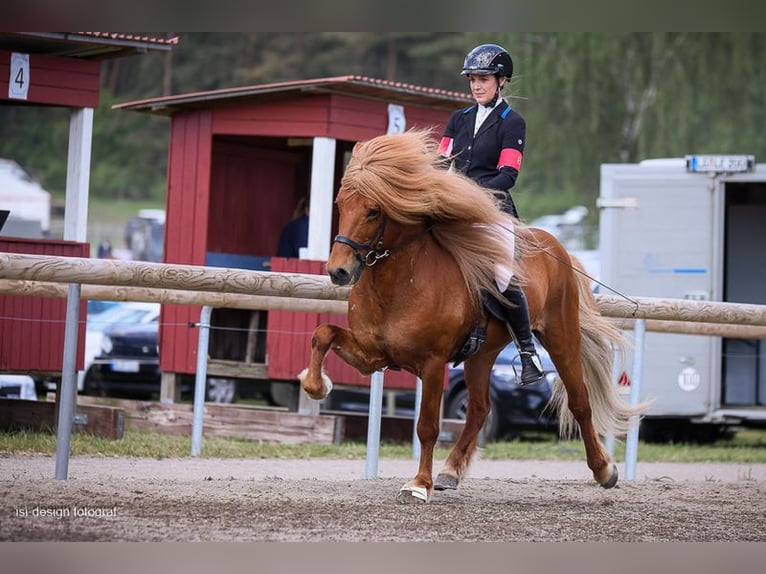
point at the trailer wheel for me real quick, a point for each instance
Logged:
(684, 431)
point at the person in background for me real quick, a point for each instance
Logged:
(485, 141)
(105, 249)
(295, 234)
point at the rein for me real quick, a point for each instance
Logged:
(374, 254)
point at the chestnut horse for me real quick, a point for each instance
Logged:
(419, 245)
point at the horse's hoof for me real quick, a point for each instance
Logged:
(445, 482)
(323, 392)
(612, 479)
(412, 494)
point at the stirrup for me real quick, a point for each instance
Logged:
(531, 369)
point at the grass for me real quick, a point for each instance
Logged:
(107, 217)
(747, 447)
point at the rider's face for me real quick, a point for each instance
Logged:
(483, 87)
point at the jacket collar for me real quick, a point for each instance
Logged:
(492, 119)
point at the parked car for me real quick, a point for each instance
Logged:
(102, 317)
(129, 366)
(514, 408)
(13, 386)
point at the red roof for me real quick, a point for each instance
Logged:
(84, 45)
(348, 85)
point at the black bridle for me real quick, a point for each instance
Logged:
(368, 255)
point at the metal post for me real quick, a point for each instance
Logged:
(609, 440)
(631, 443)
(416, 418)
(68, 390)
(200, 380)
(75, 229)
(373, 424)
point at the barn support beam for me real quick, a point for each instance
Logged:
(322, 183)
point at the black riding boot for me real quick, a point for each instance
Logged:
(517, 318)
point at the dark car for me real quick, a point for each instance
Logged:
(129, 363)
(514, 408)
(129, 366)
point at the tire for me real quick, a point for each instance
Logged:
(91, 385)
(220, 390)
(456, 409)
(683, 431)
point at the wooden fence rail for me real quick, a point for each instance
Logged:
(220, 285)
(115, 272)
(175, 296)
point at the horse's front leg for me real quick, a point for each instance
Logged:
(477, 373)
(420, 488)
(325, 337)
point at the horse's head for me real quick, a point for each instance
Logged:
(359, 242)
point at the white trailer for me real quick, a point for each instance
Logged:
(692, 228)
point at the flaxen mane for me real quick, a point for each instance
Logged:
(406, 177)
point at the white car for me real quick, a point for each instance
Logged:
(124, 313)
(14, 386)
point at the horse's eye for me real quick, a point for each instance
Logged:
(373, 214)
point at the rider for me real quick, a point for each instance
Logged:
(486, 143)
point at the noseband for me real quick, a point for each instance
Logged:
(371, 255)
(368, 255)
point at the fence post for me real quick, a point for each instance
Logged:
(68, 388)
(416, 418)
(609, 440)
(631, 443)
(200, 380)
(373, 424)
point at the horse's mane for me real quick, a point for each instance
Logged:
(404, 174)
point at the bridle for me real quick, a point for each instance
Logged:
(368, 255)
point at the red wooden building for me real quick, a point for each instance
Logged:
(239, 161)
(55, 69)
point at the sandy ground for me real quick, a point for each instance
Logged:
(129, 499)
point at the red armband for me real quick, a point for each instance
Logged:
(445, 147)
(510, 157)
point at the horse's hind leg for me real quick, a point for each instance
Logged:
(564, 348)
(477, 371)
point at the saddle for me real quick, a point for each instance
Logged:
(478, 334)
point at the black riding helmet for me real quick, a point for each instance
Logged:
(488, 59)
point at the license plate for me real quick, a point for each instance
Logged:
(126, 366)
(719, 163)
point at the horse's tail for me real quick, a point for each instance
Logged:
(611, 415)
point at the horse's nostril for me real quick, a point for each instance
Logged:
(340, 276)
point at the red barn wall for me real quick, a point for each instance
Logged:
(57, 81)
(32, 328)
(289, 116)
(253, 192)
(187, 206)
(355, 119)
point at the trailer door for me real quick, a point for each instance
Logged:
(657, 240)
(744, 277)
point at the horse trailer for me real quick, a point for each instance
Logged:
(690, 228)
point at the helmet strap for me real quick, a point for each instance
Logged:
(492, 102)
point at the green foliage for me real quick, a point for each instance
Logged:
(588, 98)
(129, 155)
